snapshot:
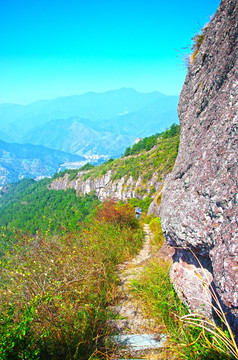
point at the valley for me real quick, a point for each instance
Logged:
(92, 127)
(31, 205)
(19, 161)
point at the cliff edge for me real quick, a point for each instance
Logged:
(199, 202)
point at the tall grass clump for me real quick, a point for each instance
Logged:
(190, 336)
(54, 291)
(223, 339)
(158, 236)
(187, 339)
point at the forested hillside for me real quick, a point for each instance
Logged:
(55, 290)
(35, 205)
(31, 206)
(59, 251)
(59, 256)
(138, 175)
(151, 141)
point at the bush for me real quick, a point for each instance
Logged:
(122, 214)
(171, 132)
(87, 167)
(54, 292)
(142, 203)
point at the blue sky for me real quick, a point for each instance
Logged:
(52, 48)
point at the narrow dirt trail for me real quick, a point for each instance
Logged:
(136, 335)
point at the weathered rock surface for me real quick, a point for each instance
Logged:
(199, 202)
(154, 206)
(105, 187)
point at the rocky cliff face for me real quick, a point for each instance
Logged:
(104, 187)
(137, 175)
(199, 202)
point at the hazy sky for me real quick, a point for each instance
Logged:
(52, 48)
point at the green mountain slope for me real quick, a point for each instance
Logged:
(138, 174)
(61, 277)
(31, 206)
(36, 205)
(142, 164)
(56, 290)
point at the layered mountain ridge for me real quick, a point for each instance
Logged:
(18, 161)
(100, 124)
(95, 126)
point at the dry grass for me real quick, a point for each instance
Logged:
(190, 336)
(223, 339)
(54, 292)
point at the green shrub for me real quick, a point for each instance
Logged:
(60, 174)
(55, 291)
(174, 130)
(142, 203)
(73, 174)
(86, 167)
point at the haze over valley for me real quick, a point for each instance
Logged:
(90, 128)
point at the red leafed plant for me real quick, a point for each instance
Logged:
(113, 212)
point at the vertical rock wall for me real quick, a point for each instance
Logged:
(199, 202)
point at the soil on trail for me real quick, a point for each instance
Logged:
(135, 334)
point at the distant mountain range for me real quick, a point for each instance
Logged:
(89, 124)
(79, 136)
(18, 161)
(95, 126)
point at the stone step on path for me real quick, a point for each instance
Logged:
(141, 342)
(136, 336)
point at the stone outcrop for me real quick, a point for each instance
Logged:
(155, 204)
(105, 187)
(199, 202)
(153, 209)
